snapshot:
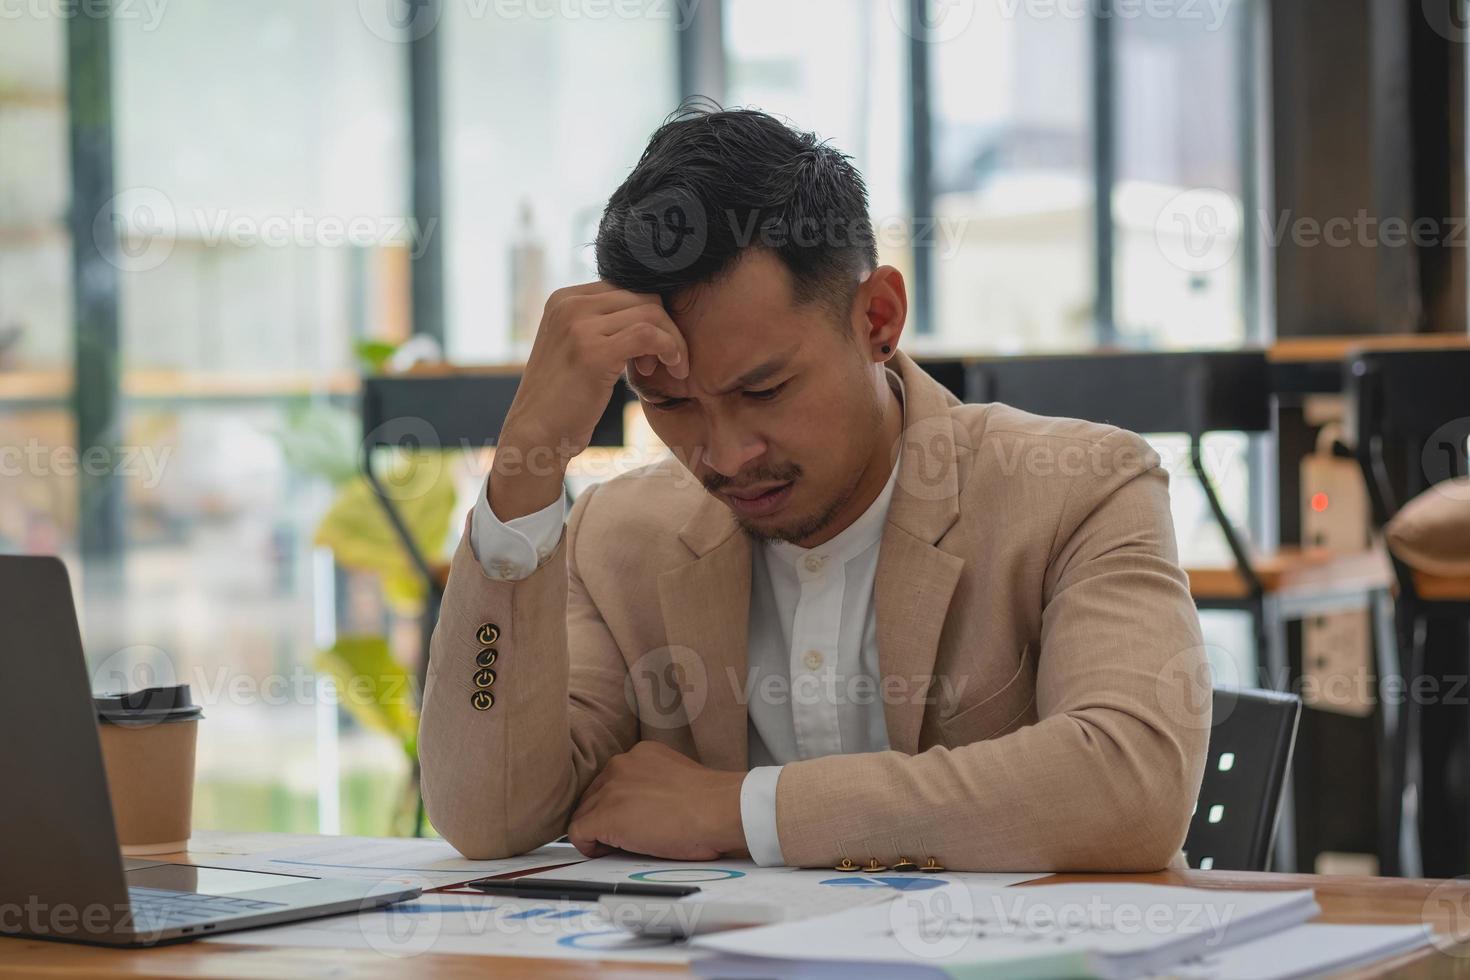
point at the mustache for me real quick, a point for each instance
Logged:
(785, 473)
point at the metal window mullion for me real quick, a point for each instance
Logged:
(426, 176)
(921, 170)
(96, 385)
(1104, 171)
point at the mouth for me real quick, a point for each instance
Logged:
(758, 501)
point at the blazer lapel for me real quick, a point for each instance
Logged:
(916, 579)
(706, 610)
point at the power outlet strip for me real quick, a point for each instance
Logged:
(1336, 648)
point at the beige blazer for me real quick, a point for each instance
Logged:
(1043, 675)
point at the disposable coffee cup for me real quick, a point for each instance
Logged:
(148, 740)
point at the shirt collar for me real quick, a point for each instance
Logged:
(862, 533)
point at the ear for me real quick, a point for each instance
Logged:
(880, 311)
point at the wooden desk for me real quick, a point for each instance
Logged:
(1444, 905)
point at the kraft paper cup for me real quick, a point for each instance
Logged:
(148, 739)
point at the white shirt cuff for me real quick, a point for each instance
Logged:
(512, 551)
(758, 816)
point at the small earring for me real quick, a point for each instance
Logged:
(886, 349)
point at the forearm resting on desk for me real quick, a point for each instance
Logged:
(502, 778)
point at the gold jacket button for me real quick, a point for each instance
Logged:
(487, 634)
(904, 864)
(486, 657)
(484, 677)
(873, 867)
(931, 866)
(846, 865)
(482, 700)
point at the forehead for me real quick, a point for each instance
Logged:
(744, 318)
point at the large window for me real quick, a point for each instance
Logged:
(261, 170)
(265, 242)
(38, 507)
(1013, 182)
(849, 87)
(543, 117)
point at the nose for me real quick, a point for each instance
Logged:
(730, 448)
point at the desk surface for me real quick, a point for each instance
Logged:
(1444, 905)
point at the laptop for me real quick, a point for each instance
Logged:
(62, 875)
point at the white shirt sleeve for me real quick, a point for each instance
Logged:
(758, 816)
(512, 551)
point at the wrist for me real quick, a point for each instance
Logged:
(727, 832)
(525, 477)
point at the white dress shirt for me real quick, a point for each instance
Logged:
(812, 646)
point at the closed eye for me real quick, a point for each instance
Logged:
(765, 394)
(667, 404)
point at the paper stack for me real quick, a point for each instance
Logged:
(1074, 930)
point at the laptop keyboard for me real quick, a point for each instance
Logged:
(155, 909)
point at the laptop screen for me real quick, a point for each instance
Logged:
(208, 881)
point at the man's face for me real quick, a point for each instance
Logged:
(779, 416)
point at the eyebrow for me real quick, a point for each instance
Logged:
(761, 372)
(754, 376)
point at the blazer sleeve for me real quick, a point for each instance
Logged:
(502, 772)
(1106, 780)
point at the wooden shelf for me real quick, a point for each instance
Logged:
(33, 99)
(163, 385)
(1295, 571)
(1299, 349)
(159, 385)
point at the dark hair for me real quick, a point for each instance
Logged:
(714, 183)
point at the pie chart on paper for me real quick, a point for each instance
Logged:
(899, 883)
(686, 876)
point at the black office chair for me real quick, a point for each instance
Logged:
(1411, 412)
(1235, 817)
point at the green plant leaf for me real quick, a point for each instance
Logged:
(319, 439)
(421, 487)
(373, 354)
(374, 687)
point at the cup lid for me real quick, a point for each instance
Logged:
(148, 706)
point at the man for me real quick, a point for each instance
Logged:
(853, 623)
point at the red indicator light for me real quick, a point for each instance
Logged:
(1319, 501)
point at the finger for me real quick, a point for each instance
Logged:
(676, 358)
(583, 835)
(597, 299)
(646, 339)
(588, 846)
(645, 365)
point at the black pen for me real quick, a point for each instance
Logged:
(577, 891)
